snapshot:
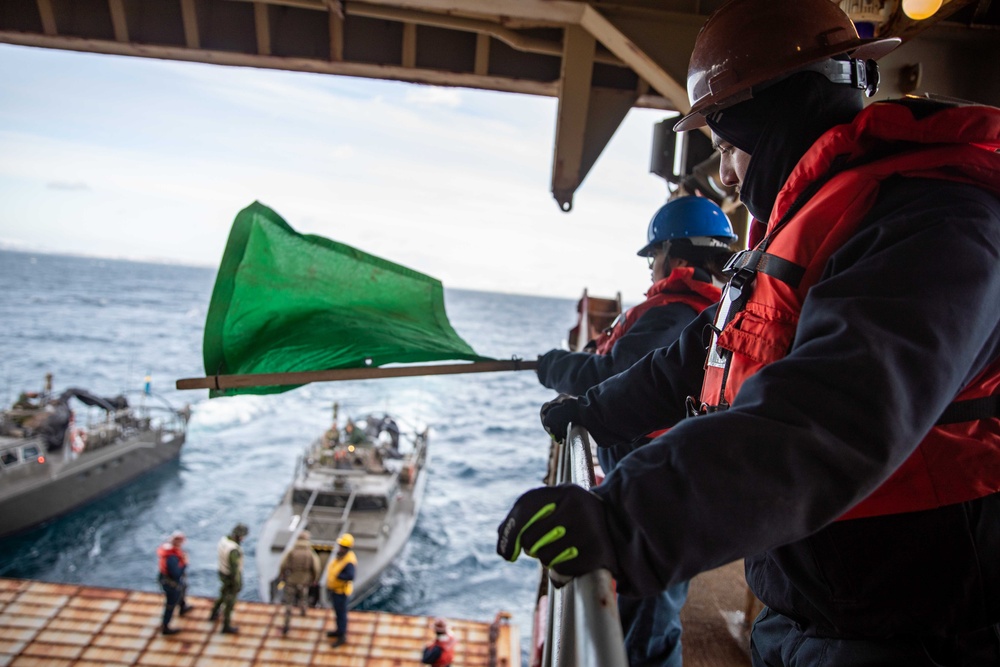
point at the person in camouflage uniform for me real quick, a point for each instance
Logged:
(300, 569)
(230, 576)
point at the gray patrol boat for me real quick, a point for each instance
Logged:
(52, 462)
(356, 480)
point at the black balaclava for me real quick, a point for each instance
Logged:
(778, 125)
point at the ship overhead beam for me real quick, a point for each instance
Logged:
(600, 58)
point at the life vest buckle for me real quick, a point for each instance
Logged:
(734, 261)
(696, 408)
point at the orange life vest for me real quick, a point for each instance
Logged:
(678, 287)
(167, 550)
(447, 644)
(760, 308)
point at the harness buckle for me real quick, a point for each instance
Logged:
(734, 262)
(696, 408)
(738, 282)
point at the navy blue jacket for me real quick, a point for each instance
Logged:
(906, 311)
(576, 372)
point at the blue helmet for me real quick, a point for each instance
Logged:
(688, 218)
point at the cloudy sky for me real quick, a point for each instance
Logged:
(151, 160)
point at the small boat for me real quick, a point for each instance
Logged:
(51, 463)
(594, 315)
(353, 480)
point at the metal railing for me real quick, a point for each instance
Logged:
(583, 628)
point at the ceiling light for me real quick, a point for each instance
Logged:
(918, 10)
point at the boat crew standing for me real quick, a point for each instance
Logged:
(300, 569)
(230, 577)
(340, 585)
(441, 651)
(173, 578)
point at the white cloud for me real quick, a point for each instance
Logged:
(170, 153)
(434, 96)
(67, 185)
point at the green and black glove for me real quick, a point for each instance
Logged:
(558, 414)
(562, 526)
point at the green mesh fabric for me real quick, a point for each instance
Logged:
(285, 301)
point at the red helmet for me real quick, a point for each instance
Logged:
(748, 42)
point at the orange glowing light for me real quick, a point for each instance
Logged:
(918, 10)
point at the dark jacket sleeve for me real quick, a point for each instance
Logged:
(431, 654)
(347, 574)
(651, 394)
(904, 316)
(576, 372)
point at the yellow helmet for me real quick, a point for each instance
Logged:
(346, 540)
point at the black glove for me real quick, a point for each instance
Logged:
(562, 526)
(558, 414)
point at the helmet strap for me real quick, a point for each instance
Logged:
(859, 74)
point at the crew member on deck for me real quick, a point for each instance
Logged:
(340, 585)
(300, 569)
(441, 651)
(173, 579)
(230, 577)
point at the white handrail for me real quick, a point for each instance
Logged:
(583, 628)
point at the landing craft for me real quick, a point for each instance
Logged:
(54, 461)
(358, 479)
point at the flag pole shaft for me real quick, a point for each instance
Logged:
(305, 377)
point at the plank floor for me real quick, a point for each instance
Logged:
(64, 625)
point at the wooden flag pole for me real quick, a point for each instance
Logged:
(305, 377)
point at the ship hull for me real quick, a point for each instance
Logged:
(68, 485)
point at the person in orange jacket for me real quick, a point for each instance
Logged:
(441, 651)
(687, 245)
(173, 578)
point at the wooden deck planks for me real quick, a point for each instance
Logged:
(52, 625)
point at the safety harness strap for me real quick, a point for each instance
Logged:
(973, 409)
(781, 269)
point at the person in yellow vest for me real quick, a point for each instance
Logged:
(340, 585)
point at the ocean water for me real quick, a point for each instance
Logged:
(103, 325)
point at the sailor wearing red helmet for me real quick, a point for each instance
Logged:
(844, 436)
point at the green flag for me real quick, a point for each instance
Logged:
(285, 301)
